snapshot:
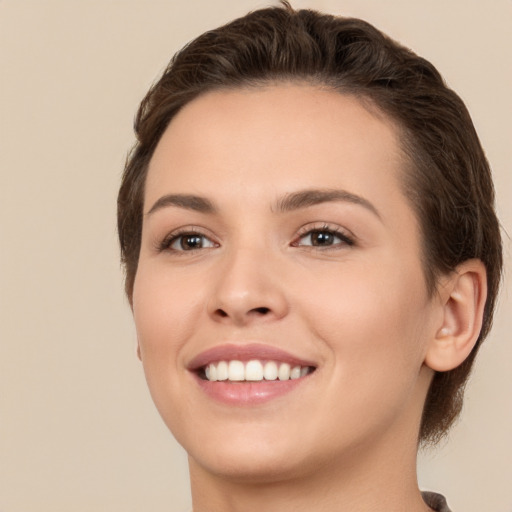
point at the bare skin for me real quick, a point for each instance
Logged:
(276, 216)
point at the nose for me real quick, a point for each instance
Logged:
(247, 289)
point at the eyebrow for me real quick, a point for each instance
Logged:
(312, 197)
(290, 202)
(187, 201)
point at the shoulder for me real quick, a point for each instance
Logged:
(435, 501)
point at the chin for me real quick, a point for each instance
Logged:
(249, 456)
(250, 466)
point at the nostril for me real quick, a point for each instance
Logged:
(261, 311)
(239, 315)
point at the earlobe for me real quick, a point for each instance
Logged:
(463, 298)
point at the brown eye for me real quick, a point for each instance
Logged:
(189, 242)
(320, 238)
(324, 238)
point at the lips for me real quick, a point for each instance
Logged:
(240, 381)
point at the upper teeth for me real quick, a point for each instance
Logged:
(253, 370)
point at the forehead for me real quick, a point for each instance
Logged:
(273, 140)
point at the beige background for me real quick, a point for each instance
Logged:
(78, 432)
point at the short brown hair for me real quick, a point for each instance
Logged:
(448, 179)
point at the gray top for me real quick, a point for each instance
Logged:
(435, 501)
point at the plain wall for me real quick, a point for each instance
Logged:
(78, 431)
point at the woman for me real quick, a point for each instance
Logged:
(312, 258)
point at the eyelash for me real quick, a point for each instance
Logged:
(346, 240)
(169, 240)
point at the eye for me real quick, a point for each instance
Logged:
(323, 237)
(189, 241)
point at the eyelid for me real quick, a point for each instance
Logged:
(347, 237)
(165, 243)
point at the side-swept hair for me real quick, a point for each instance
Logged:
(447, 177)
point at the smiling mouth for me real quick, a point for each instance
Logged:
(252, 371)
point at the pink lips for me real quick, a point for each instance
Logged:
(246, 393)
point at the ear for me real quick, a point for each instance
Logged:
(138, 351)
(462, 296)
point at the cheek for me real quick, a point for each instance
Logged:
(373, 319)
(165, 315)
(164, 311)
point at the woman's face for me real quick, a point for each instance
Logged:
(276, 231)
